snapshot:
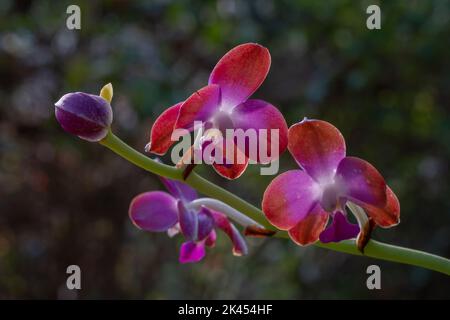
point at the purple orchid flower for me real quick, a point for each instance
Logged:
(301, 201)
(176, 212)
(86, 115)
(224, 104)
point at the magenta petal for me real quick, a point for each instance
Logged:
(179, 189)
(260, 115)
(362, 183)
(188, 220)
(318, 147)
(240, 72)
(340, 229)
(289, 198)
(200, 106)
(161, 132)
(205, 223)
(192, 252)
(222, 222)
(154, 211)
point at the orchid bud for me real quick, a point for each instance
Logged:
(85, 115)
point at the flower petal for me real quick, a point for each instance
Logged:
(205, 223)
(179, 189)
(362, 183)
(200, 106)
(192, 252)
(231, 171)
(307, 231)
(222, 222)
(289, 198)
(240, 72)
(154, 211)
(160, 135)
(389, 215)
(340, 229)
(318, 147)
(228, 161)
(188, 220)
(258, 115)
(210, 241)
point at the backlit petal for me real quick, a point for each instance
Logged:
(200, 106)
(240, 72)
(389, 215)
(318, 147)
(307, 231)
(265, 120)
(160, 135)
(289, 198)
(362, 183)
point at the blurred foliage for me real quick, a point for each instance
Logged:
(64, 201)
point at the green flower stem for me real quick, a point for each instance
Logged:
(374, 249)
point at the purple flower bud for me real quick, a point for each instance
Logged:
(85, 115)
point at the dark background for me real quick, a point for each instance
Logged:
(64, 201)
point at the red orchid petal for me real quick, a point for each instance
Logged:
(389, 215)
(308, 230)
(154, 211)
(257, 115)
(160, 135)
(231, 171)
(200, 106)
(233, 165)
(317, 146)
(361, 182)
(210, 241)
(222, 222)
(240, 72)
(289, 198)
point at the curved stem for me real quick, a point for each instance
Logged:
(374, 249)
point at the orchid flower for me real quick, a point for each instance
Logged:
(301, 201)
(224, 104)
(181, 211)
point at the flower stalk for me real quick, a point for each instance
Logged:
(374, 249)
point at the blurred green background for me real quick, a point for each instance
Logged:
(64, 201)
